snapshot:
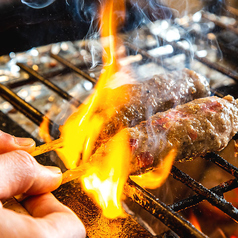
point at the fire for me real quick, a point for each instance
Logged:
(107, 173)
(44, 130)
(106, 181)
(156, 178)
(83, 127)
(106, 177)
(194, 221)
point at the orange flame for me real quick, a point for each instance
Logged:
(194, 221)
(156, 178)
(106, 178)
(44, 130)
(106, 182)
(107, 174)
(82, 128)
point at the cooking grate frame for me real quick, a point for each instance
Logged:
(168, 214)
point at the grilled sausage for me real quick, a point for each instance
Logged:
(193, 129)
(154, 95)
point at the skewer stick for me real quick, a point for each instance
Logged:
(55, 144)
(69, 175)
(72, 174)
(14, 203)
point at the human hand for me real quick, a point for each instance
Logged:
(21, 174)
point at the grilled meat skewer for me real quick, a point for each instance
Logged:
(154, 95)
(193, 129)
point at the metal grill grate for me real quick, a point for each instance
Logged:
(165, 213)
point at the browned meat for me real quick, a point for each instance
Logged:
(195, 128)
(154, 95)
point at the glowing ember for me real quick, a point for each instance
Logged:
(155, 178)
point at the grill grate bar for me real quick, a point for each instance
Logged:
(222, 163)
(32, 79)
(146, 55)
(25, 108)
(194, 200)
(219, 23)
(73, 67)
(205, 38)
(161, 211)
(49, 84)
(210, 196)
(204, 60)
(143, 52)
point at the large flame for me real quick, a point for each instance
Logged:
(108, 173)
(82, 128)
(106, 177)
(106, 180)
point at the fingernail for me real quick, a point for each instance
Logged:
(24, 141)
(54, 169)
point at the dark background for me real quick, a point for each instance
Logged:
(22, 27)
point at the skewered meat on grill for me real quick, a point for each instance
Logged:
(154, 95)
(193, 129)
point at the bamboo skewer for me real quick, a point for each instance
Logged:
(72, 174)
(53, 145)
(69, 175)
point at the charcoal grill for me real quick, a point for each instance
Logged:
(71, 193)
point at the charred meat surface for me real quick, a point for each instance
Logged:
(195, 128)
(157, 94)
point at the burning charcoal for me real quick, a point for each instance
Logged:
(154, 95)
(195, 128)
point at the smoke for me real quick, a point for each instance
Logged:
(37, 4)
(137, 12)
(87, 10)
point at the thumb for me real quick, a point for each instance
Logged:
(20, 173)
(9, 143)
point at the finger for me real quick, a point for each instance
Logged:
(58, 221)
(43, 205)
(20, 173)
(46, 206)
(10, 143)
